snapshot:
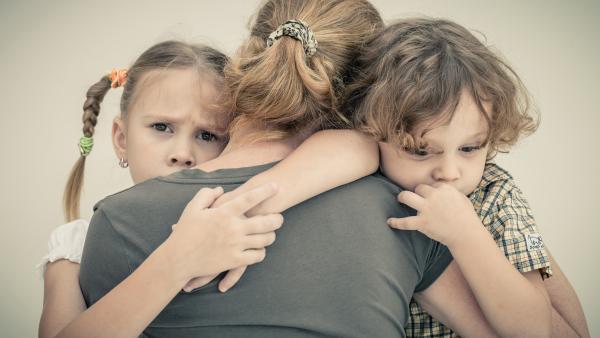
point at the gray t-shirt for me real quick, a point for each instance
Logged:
(336, 268)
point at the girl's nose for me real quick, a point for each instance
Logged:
(182, 160)
(182, 156)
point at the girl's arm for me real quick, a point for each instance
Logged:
(201, 244)
(568, 319)
(326, 160)
(63, 300)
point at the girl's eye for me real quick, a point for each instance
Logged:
(207, 136)
(162, 127)
(470, 149)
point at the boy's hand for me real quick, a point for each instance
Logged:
(443, 213)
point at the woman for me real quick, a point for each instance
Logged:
(326, 274)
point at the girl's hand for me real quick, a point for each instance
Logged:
(443, 213)
(231, 278)
(205, 241)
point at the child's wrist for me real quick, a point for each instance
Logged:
(170, 257)
(471, 232)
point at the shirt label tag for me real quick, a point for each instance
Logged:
(534, 242)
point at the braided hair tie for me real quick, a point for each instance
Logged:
(117, 77)
(85, 145)
(298, 30)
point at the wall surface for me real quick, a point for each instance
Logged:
(52, 51)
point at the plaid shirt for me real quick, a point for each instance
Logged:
(506, 215)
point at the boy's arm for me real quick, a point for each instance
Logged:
(327, 159)
(568, 319)
(515, 304)
(511, 301)
(450, 300)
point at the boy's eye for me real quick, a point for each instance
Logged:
(420, 152)
(470, 149)
(161, 127)
(207, 136)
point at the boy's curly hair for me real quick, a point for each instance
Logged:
(415, 72)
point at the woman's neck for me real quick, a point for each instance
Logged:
(242, 151)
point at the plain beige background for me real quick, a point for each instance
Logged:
(51, 51)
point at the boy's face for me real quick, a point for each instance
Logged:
(451, 153)
(171, 125)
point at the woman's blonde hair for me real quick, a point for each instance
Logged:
(280, 87)
(413, 75)
(162, 56)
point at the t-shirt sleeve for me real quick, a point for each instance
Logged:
(517, 235)
(438, 259)
(104, 263)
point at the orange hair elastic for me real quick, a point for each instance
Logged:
(118, 77)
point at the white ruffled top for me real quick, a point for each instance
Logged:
(66, 242)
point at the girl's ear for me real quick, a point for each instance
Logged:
(119, 138)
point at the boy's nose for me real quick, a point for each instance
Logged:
(447, 171)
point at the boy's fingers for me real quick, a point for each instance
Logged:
(411, 199)
(405, 223)
(424, 190)
(250, 199)
(231, 278)
(262, 224)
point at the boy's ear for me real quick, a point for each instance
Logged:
(119, 138)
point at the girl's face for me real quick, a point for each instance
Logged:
(172, 124)
(451, 153)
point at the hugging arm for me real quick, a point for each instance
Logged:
(450, 300)
(568, 319)
(203, 242)
(325, 160)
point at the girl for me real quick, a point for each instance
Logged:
(441, 105)
(171, 118)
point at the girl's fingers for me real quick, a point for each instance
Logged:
(259, 241)
(231, 278)
(248, 200)
(205, 197)
(411, 199)
(253, 256)
(262, 224)
(404, 223)
(197, 282)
